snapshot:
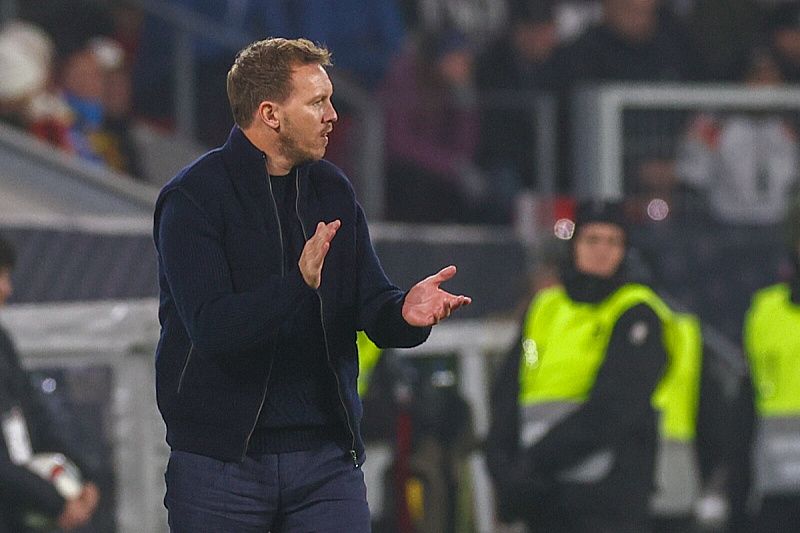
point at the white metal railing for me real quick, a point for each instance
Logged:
(597, 121)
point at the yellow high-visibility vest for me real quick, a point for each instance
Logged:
(368, 356)
(565, 342)
(772, 341)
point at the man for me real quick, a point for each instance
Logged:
(267, 272)
(573, 439)
(518, 60)
(28, 430)
(772, 344)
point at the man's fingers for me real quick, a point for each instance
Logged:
(319, 244)
(442, 276)
(453, 302)
(460, 301)
(327, 231)
(445, 273)
(314, 251)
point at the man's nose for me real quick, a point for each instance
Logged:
(332, 116)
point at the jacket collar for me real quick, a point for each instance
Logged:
(248, 165)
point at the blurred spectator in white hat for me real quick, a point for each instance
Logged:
(26, 99)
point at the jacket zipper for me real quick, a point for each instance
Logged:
(353, 454)
(269, 370)
(183, 370)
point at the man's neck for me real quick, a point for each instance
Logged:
(276, 164)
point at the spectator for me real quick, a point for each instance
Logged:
(92, 77)
(514, 66)
(82, 84)
(95, 86)
(26, 101)
(432, 134)
(784, 32)
(744, 164)
(725, 33)
(115, 142)
(28, 430)
(772, 340)
(636, 41)
(479, 21)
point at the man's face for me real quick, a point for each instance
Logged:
(5, 285)
(599, 249)
(635, 20)
(535, 40)
(83, 76)
(307, 116)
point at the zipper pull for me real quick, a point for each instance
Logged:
(354, 457)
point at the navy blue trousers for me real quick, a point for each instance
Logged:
(318, 490)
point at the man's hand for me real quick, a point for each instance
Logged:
(78, 511)
(314, 252)
(426, 304)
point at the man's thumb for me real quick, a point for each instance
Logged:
(445, 274)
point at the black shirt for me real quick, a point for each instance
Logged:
(301, 404)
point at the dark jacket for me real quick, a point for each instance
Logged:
(616, 415)
(20, 488)
(225, 294)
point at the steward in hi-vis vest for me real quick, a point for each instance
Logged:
(772, 344)
(603, 372)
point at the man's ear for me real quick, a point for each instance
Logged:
(267, 114)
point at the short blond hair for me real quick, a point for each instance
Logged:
(263, 70)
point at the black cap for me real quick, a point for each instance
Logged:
(606, 211)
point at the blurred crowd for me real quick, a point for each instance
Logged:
(455, 79)
(65, 78)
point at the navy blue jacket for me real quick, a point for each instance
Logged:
(224, 294)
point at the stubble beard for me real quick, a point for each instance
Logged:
(290, 149)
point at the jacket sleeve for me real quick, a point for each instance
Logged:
(501, 447)
(192, 258)
(21, 488)
(619, 399)
(380, 301)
